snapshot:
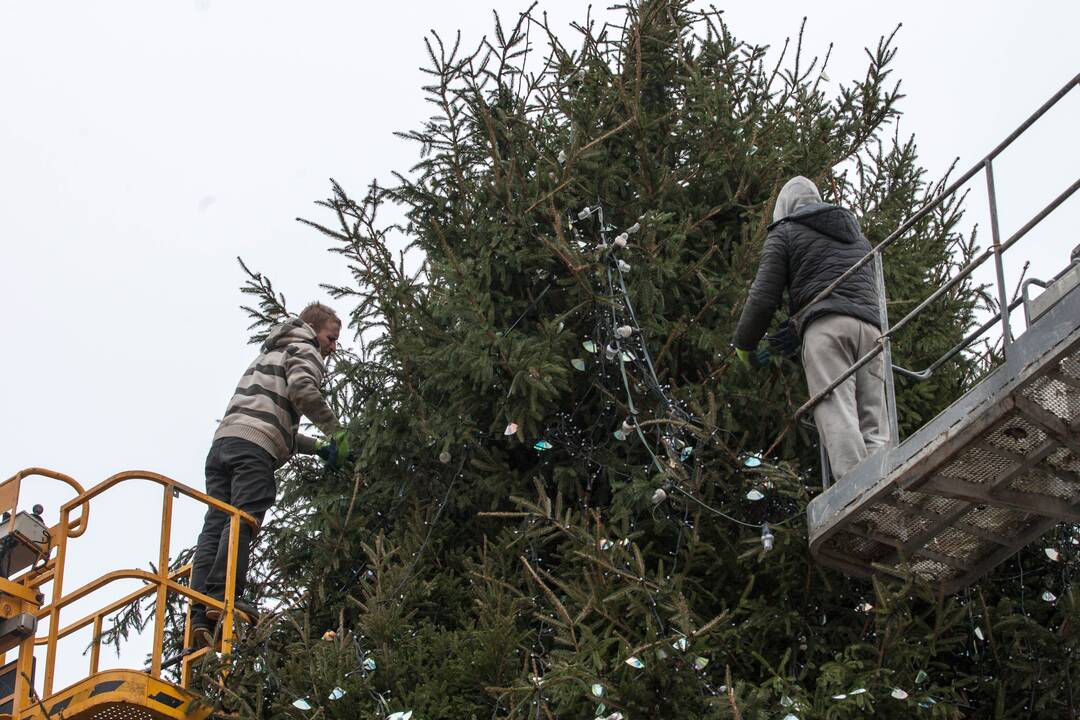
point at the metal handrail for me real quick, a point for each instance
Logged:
(925, 374)
(887, 335)
(1025, 295)
(996, 250)
(160, 582)
(940, 197)
(98, 616)
(78, 526)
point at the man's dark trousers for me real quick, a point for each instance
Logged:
(240, 473)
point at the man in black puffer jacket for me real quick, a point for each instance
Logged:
(810, 244)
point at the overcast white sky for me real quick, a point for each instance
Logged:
(143, 146)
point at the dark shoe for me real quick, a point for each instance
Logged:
(247, 612)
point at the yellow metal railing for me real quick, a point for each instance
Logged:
(160, 582)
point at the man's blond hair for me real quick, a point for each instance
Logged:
(317, 315)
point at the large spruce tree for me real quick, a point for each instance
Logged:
(558, 506)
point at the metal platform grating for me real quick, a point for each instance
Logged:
(1065, 460)
(121, 711)
(1057, 396)
(989, 475)
(976, 465)
(1044, 482)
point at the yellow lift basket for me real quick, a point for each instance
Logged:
(33, 554)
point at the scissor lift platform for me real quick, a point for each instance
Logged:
(120, 695)
(987, 476)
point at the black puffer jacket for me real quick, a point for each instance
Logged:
(804, 252)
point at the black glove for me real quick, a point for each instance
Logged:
(785, 342)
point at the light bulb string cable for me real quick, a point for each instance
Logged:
(613, 271)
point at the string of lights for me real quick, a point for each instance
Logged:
(622, 331)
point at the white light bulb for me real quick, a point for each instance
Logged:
(562, 156)
(766, 537)
(584, 214)
(623, 266)
(620, 241)
(632, 229)
(624, 331)
(658, 496)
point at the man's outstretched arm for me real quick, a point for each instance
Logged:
(303, 374)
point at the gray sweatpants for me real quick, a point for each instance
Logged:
(851, 421)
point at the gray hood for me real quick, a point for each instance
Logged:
(797, 191)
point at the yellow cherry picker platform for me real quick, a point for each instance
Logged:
(33, 555)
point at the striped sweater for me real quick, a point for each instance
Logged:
(281, 385)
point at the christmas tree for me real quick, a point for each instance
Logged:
(569, 500)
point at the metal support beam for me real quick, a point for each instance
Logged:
(908, 507)
(1003, 497)
(868, 534)
(984, 534)
(944, 520)
(1064, 377)
(846, 565)
(1048, 421)
(1026, 462)
(942, 558)
(995, 558)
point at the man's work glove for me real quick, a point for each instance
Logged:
(785, 341)
(334, 450)
(755, 359)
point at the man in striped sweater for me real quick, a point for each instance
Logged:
(256, 436)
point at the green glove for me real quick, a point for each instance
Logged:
(334, 450)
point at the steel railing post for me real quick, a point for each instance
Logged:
(999, 268)
(231, 581)
(826, 471)
(54, 612)
(162, 600)
(95, 650)
(886, 351)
